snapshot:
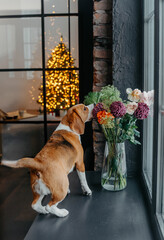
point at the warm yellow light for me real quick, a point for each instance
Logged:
(62, 87)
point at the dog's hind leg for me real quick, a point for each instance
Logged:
(39, 190)
(58, 193)
(53, 209)
(37, 204)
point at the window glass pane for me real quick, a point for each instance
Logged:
(62, 90)
(56, 27)
(161, 128)
(163, 201)
(73, 6)
(51, 128)
(160, 196)
(148, 85)
(19, 92)
(20, 43)
(58, 6)
(162, 95)
(74, 46)
(162, 159)
(21, 140)
(19, 7)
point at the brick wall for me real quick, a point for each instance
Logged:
(102, 64)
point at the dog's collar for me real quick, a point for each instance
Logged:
(67, 128)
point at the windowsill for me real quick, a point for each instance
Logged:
(115, 215)
(148, 181)
(160, 219)
(33, 118)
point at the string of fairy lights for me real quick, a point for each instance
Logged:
(62, 87)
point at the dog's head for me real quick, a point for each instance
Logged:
(77, 116)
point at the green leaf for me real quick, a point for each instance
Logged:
(136, 133)
(109, 94)
(135, 142)
(92, 97)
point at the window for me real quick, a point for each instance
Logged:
(148, 85)
(29, 32)
(153, 142)
(160, 163)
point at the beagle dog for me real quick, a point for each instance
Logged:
(49, 169)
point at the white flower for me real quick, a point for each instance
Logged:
(131, 107)
(147, 97)
(128, 90)
(134, 95)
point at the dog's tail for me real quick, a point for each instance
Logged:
(22, 163)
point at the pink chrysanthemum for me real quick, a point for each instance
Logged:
(142, 111)
(118, 109)
(99, 107)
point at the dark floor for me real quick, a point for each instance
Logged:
(105, 215)
(16, 214)
(121, 215)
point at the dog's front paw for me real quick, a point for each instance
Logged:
(86, 191)
(89, 193)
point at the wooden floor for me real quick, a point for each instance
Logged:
(16, 214)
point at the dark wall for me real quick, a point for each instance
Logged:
(85, 47)
(86, 71)
(127, 61)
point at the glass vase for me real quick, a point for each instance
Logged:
(114, 172)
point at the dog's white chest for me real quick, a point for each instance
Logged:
(41, 188)
(64, 127)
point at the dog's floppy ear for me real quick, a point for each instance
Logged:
(76, 123)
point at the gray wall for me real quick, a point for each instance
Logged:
(127, 61)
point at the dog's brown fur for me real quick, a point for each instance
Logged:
(63, 151)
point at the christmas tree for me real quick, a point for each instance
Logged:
(62, 86)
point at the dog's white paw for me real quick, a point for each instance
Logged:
(56, 211)
(63, 212)
(44, 211)
(86, 191)
(68, 191)
(40, 209)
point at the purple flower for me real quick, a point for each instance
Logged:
(142, 111)
(99, 107)
(118, 109)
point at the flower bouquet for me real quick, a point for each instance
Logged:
(118, 121)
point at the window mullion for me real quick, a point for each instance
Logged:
(43, 67)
